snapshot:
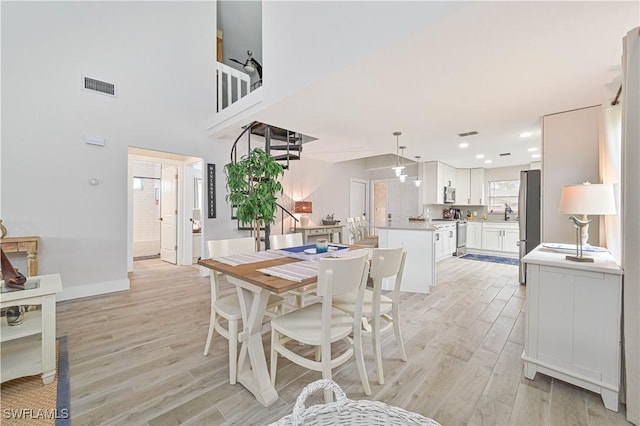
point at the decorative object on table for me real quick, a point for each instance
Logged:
(253, 188)
(11, 276)
(15, 315)
(304, 208)
(347, 412)
(3, 229)
(329, 220)
(586, 199)
(322, 245)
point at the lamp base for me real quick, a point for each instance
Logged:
(580, 259)
(304, 221)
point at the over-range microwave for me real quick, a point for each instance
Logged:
(449, 194)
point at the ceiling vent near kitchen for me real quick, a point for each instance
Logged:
(471, 133)
(505, 154)
(99, 86)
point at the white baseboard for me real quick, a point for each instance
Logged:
(94, 289)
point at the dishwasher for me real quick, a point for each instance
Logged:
(461, 237)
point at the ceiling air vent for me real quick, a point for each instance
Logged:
(99, 86)
(505, 154)
(462, 135)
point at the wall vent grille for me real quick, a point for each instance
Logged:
(505, 154)
(462, 135)
(99, 86)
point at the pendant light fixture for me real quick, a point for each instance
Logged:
(418, 181)
(402, 176)
(398, 168)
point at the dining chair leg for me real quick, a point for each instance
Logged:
(212, 320)
(300, 301)
(233, 351)
(359, 355)
(377, 348)
(326, 370)
(396, 330)
(318, 354)
(274, 356)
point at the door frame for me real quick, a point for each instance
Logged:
(183, 221)
(367, 195)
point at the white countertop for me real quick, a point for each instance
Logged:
(411, 226)
(603, 262)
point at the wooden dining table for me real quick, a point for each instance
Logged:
(253, 293)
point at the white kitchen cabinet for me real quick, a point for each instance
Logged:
(572, 328)
(510, 239)
(462, 187)
(444, 240)
(437, 176)
(419, 268)
(497, 236)
(469, 186)
(476, 187)
(474, 235)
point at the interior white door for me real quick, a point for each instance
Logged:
(169, 214)
(358, 197)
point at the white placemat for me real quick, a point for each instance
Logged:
(244, 258)
(297, 271)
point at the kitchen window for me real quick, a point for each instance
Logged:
(503, 192)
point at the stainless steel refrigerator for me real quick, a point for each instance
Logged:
(529, 215)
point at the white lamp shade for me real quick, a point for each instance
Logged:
(588, 199)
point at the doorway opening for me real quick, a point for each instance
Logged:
(165, 203)
(394, 200)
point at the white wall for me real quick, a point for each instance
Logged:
(161, 57)
(569, 157)
(326, 185)
(327, 41)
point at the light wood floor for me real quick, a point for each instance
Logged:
(136, 357)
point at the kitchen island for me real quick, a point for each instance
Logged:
(420, 266)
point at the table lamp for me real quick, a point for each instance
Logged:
(303, 207)
(586, 199)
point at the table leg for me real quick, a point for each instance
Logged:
(32, 260)
(48, 338)
(252, 369)
(340, 235)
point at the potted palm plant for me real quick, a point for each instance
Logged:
(253, 187)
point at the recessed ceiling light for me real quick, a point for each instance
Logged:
(533, 149)
(488, 161)
(525, 134)
(463, 145)
(479, 156)
(535, 156)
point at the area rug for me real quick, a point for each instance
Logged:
(26, 401)
(494, 259)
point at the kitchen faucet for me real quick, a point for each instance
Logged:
(507, 210)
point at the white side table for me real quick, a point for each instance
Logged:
(572, 329)
(30, 348)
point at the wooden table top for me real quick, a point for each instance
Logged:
(249, 273)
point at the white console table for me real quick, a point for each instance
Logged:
(319, 231)
(30, 348)
(573, 321)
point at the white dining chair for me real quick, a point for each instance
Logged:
(376, 307)
(356, 234)
(292, 240)
(228, 307)
(320, 324)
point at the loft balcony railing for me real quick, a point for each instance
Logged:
(232, 85)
